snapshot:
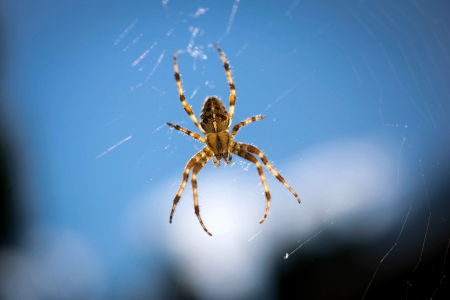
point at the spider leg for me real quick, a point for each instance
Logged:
(187, 108)
(250, 157)
(197, 169)
(243, 123)
(191, 163)
(188, 132)
(261, 155)
(230, 82)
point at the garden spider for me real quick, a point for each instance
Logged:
(214, 124)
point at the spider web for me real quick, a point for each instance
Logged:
(356, 103)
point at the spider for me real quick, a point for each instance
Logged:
(215, 123)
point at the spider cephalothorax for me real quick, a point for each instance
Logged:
(215, 122)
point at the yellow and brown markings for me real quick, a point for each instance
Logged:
(188, 132)
(213, 116)
(187, 108)
(219, 144)
(250, 157)
(243, 123)
(192, 162)
(230, 82)
(261, 155)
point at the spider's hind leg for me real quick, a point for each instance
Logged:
(250, 157)
(261, 155)
(197, 169)
(189, 166)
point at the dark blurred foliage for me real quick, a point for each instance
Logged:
(9, 213)
(9, 222)
(346, 271)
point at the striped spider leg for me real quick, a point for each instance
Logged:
(243, 150)
(191, 164)
(186, 107)
(230, 82)
(197, 169)
(188, 132)
(243, 123)
(244, 154)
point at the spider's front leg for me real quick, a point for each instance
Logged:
(230, 82)
(186, 107)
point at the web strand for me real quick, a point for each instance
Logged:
(392, 248)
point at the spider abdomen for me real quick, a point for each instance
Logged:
(214, 115)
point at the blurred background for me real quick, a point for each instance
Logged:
(356, 98)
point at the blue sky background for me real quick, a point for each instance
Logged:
(353, 91)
